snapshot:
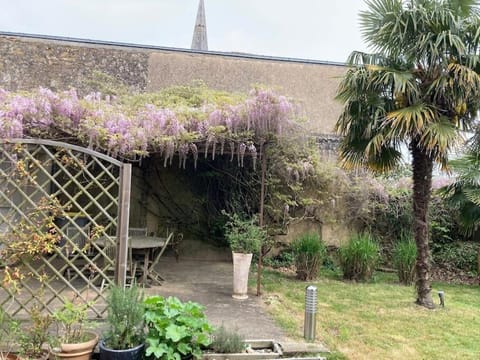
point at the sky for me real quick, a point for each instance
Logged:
(325, 30)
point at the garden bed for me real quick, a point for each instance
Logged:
(254, 349)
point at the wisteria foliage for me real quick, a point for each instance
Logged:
(111, 126)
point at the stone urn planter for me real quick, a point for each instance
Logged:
(241, 270)
(245, 238)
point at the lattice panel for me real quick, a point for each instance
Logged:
(87, 186)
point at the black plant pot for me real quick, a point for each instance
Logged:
(135, 353)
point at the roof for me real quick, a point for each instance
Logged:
(165, 48)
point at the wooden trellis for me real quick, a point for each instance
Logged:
(94, 193)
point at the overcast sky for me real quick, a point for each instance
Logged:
(309, 29)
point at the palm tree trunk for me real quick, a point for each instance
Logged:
(422, 166)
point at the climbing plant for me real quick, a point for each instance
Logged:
(168, 123)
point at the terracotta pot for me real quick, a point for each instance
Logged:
(80, 347)
(78, 351)
(84, 355)
(241, 270)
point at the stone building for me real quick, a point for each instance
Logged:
(30, 61)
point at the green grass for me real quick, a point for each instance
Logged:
(379, 320)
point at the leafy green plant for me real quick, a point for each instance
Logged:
(124, 318)
(309, 252)
(226, 341)
(459, 255)
(175, 328)
(404, 257)
(359, 257)
(244, 235)
(285, 258)
(72, 323)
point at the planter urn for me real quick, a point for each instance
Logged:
(241, 270)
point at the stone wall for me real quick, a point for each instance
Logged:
(312, 84)
(28, 62)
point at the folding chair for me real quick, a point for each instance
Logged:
(109, 266)
(137, 231)
(77, 243)
(152, 273)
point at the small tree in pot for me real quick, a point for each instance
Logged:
(125, 335)
(74, 340)
(245, 238)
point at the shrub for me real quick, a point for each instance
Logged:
(359, 257)
(285, 258)
(404, 257)
(309, 252)
(124, 318)
(244, 235)
(460, 255)
(227, 341)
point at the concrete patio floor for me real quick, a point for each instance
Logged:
(210, 284)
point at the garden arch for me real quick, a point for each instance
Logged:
(93, 190)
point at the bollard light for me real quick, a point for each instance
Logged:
(310, 313)
(441, 295)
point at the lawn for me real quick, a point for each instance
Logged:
(379, 320)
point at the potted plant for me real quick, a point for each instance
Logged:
(175, 329)
(74, 340)
(228, 344)
(245, 238)
(33, 337)
(125, 336)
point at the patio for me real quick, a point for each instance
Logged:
(210, 284)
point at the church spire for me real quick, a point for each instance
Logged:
(199, 41)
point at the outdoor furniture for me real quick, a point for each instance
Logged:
(77, 243)
(138, 231)
(144, 253)
(147, 246)
(110, 251)
(174, 244)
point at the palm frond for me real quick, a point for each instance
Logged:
(410, 121)
(439, 137)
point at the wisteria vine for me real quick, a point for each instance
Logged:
(110, 126)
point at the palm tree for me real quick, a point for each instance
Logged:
(419, 89)
(464, 193)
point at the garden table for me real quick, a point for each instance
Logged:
(145, 247)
